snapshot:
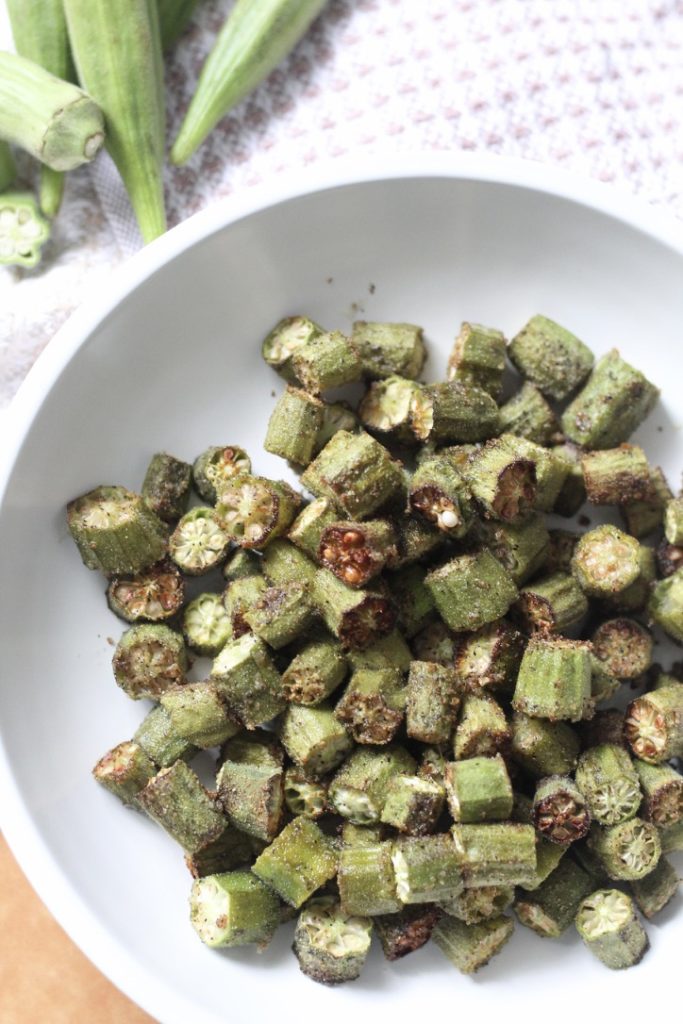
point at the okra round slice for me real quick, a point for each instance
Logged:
(336, 416)
(115, 532)
(249, 681)
(215, 467)
(253, 510)
(471, 590)
(250, 784)
(148, 660)
(199, 543)
(385, 408)
(608, 780)
(482, 730)
(315, 672)
(366, 879)
(298, 861)
(665, 606)
(439, 493)
(330, 945)
(662, 788)
(555, 679)
(207, 627)
(427, 869)
(324, 361)
(624, 647)
(413, 804)
(628, 851)
(285, 338)
(654, 725)
(357, 618)
(314, 739)
(166, 487)
(453, 413)
(522, 548)
(432, 701)
(233, 909)
(281, 614)
(294, 426)
(551, 908)
(125, 771)
(357, 552)
(155, 595)
(551, 356)
(472, 906)
(503, 480)
(656, 890)
(607, 923)
(356, 473)
(552, 604)
(560, 811)
(304, 796)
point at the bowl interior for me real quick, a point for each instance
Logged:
(176, 366)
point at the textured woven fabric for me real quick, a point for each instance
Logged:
(595, 86)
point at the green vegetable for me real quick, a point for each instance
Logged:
(607, 923)
(174, 16)
(23, 231)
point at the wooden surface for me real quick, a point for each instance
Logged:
(43, 976)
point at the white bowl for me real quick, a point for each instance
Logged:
(170, 359)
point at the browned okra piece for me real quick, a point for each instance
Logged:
(148, 660)
(372, 706)
(166, 487)
(543, 748)
(388, 349)
(327, 360)
(125, 771)
(560, 550)
(560, 811)
(385, 408)
(436, 643)
(315, 672)
(550, 356)
(298, 862)
(628, 851)
(356, 617)
(250, 784)
(357, 552)
(572, 493)
(482, 730)
(314, 739)
(553, 604)
(285, 338)
(471, 590)
(554, 680)
(521, 548)
(415, 540)
(453, 413)
(502, 480)
(176, 800)
(115, 531)
(669, 558)
(527, 414)
(472, 906)
(160, 742)
(239, 596)
(403, 933)
(294, 426)
(254, 511)
(497, 853)
(356, 473)
(616, 476)
(439, 493)
(413, 804)
(249, 681)
(216, 467)
(307, 529)
(662, 789)
(624, 647)
(654, 725)
(198, 713)
(413, 599)
(646, 516)
(432, 701)
(488, 659)
(606, 561)
(478, 357)
(154, 595)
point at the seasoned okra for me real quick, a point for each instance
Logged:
(241, 564)
(160, 741)
(385, 408)
(522, 548)
(560, 810)
(560, 550)
(553, 604)
(283, 341)
(629, 850)
(356, 617)
(303, 795)
(207, 626)
(199, 543)
(478, 357)
(358, 790)
(250, 784)
(572, 493)
(413, 804)
(482, 730)
(153, 595)
(307, 529)
(232, 849)
(366, 880)
(472, 906)
(389, 349)
(294, 426)
(551, 357)
(554, 679)
(471, 946)
(298, 861)
(635, 597)
(336, 416)
(357, 552)
(115, 531)
(176, 800)
(239, 596)
(624, 647)
(216, 467)
(315, 672)
(427, 868)
(415, 540)
(356, 473)
(413, 599)
(502, 480)
(552, 471)
(283, 563)
(656, 890)
(407, 931)
(646, 516)
(669, 558)
(488, 659)
(471, 590)
(616, 476)
(166, 487)
(324, 361)
(453, 413)
(439, 493)
(551, 908)
(607, 923)
(609, 782)
(432, 701)
(314, 739)
(254, 511)
(672, 838)
(249, 681)
(198, 713)
(435, 643)
(615, 400)
(606, 726)
(662, 788)
(665, 606)
(543, 748)
(148, 660)
(654, 725)
(281, 614)
(125, 771)
(330, 945)
(527, 414)
(373, 704)
(391, 651)
(233, 909)
(499, 853)
(478, 789)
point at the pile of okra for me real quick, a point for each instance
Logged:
(414, 668)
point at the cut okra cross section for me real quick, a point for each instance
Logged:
(357, 552)
(357, 617)
(607, 923)
(298, 862)
(471, 590)
(115, 531)
(216, 467)
(330, 944)
(356, 473)
(148, 660)
(253, 510)
(153, 595)
(233, 909)
(199, 543)
(249, 681)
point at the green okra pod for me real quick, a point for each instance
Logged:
(646, 516)
(294, 426)
(609, 782)
(160, 741)
(487, 661)
(503, 481)
(250, 784)
(330, 945)
(527, 414)
(233, 909)
(238, 597)
(176, 800)
(471, 590)
(123, 72)
(482, 730)
(304, 796)
(232, 849)
(366, 880)
(336, 416)
(521, 548)
(413, 804)
(499, 853)
(314, 739)
(325, 361)
(439, 493)
(307, 529)
(654, 725)
(554, 679)
(199, 543)
(472, 906)
(551, 357)
(388, 350)
(415, 540)
(616, 476)
(624, 647)
(665, 605)
(427, 869)
(281, 614)
(248, 680)
(298, 862)
(284, 339)
(207, 626)
(115, 532)
(656, 890)
(241, 564)
(125, 771)
(407, 931)
(560, 811)
(216, 467)
(412, 598)
(435, 643)
(315, 672)
(628, 851)
(551, 908)
(372, 706)
(153, 595)
(174, 15)
(662, 789)
(356, 473)
(357, 552)
(608, 926)
(478, 789)
(385, 408)
(572, 493)
(198, 713)
(391, 651)
(253, 511)
(282, 563)
(453, 413)
(432, 701)
(148, 660)
(478, 357)
(357, 618)
(471, 946)
(553, 604)
(542, 747)
(358, 790)
(166, 487)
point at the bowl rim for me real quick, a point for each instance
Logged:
(23, 836)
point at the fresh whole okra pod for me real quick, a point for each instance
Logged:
(148, 660)
(607, 923)
(551, 357)
(23, 230)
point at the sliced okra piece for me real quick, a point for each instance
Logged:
(433, 765)
(554, 679)
(616, 476)
(438, 492)
(662, 788)
(303, 795)
(199, 543)
(654, 725)
(407, 931)
(572, 493)
(553, 604)
(656, 890)
(471, 946)
(624, 647)
(482, 730)
(307, 529)
(298, 861)
(385, 408)
(160, 741)
(357, 552)
(527, 414)
(550, 356)
(478, 357)
(366, 880)
(23, 229)
(478, 789)
(356, 617)
(499, 853)
(254, 511)
(241, 564)
(282, 563)
(413, 804)
(216, 467)
(471, 590)
(488, 659)
(551, 908)
(586, 858)
(207, 626)
(435, 643)
(609, 782)
(552, 470)
(665, 605)
(560, 811)
(232, 849)
(125, 771)
(413, 600)
(560, 550)
(166, 487)
(390, 652)
(330, 945)
(176, 800)
(294, 426)
(250, 784)
(615, 400)
(361, 835)
(153, 595)
(646, 516)
(542, 747)
(432, 701)
(315, 672)
(388, 349)
(248, 680)
(634, 598)
(669, 558)
(314, 739)
(198, 714)
(358, 790)
(238, 597)
(472, 906)
(233, 909)
(115, 531)
(149, 659)
(609, 928)
(336, 416)
(427, 869)
(372, 706)
(606, 726)
(356, 473)
(281, 614)
(502, 480)
(521, 548)
(327, 360)
(671, 838)
(415, 539)
(629, 850)
(283, 341)
(453, 413)
(548, 856)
